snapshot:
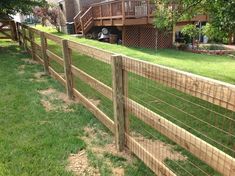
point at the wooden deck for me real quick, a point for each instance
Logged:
(115, 13)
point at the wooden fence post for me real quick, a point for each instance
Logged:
(24, 38)
(44, 53)
(125, 93)
(18, 32)
(118, 102)
(13, 30)
(31, 37)
(67, 68)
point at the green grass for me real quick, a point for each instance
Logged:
(33, 141)
(217, 67)
(165, 101)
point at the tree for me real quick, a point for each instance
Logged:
(222, 16)
(50, 13)
(169, 12)
(221, 13)
(11, 7)
(214, 33)
(192, 31)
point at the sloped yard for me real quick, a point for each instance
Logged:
(43, 133)
(217, 67)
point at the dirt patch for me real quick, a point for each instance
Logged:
(39, 77)
(118, 171)
(53, 100)
(92, 137)
(30, 61)
(79, 164)
(48, 105)
(21, 69)
(159, 149)
(109, 147)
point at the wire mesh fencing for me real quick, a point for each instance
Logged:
(177, 123)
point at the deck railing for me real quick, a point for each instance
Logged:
(111, 10)
(123, 9)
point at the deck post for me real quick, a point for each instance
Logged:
(67, 68)
(111, 13)
(148, 10)
(118, 101)
(123, 12)
(44, 53)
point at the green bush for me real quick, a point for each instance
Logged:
(214, 34)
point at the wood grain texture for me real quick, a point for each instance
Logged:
(31, 40)
(118, 101)
(67, 68)
(93, 52)
(24, 38)
(44, 53)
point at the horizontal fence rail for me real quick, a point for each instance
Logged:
(8, 30)
(139, 114)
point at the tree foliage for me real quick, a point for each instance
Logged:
(221, 13)
(214, 33)
(222, 16)
(11, 7)
(169, 12)
(191, 30)
(50, 13)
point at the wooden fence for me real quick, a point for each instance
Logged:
(213, 91)
(8, 30)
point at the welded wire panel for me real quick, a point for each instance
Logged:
(213, 91)
(187, 134)
(55, 56)
(93, 78)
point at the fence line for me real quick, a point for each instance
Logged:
(123, 68)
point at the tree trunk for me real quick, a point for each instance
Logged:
(230, 38)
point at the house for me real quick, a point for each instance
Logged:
(129, 22)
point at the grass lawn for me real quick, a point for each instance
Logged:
(34, 141)
(207, 123)
(217, 67)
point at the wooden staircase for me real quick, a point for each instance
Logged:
(77, 23)
(83, 22)
(115, 13)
